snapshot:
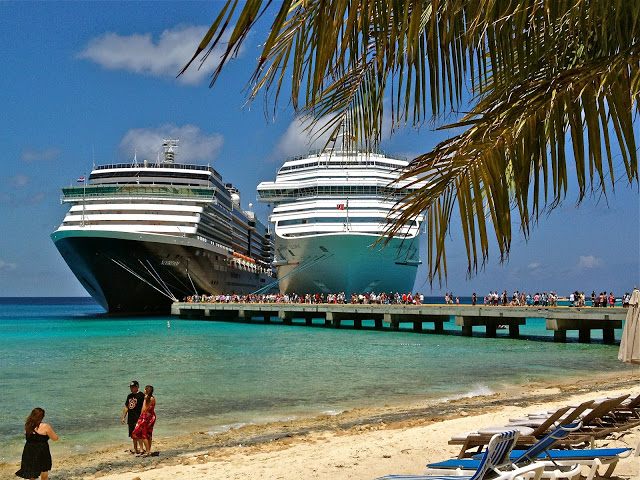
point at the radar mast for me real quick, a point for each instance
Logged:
(169, 146)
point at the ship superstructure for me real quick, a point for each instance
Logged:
(329, 209)
(141, 235)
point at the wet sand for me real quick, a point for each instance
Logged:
(362, 443)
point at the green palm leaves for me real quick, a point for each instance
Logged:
(555, 87)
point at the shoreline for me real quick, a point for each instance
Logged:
(182, 453)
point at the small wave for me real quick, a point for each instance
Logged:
(226, 428)
(332, 412)
(477, 390)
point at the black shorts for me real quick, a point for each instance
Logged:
(132, 424)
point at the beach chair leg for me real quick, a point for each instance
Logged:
(464, 451)
(593, 470)
(595, 465)
(611, 467)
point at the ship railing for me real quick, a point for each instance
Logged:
(70, 194)
(179, 166)
(346, 153)
(273, 195)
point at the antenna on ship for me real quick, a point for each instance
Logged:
(169, 145)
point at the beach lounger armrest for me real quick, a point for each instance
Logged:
(532, 471)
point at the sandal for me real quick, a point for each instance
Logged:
(135, 452)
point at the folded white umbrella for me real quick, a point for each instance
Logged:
(630, 342)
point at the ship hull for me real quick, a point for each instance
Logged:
(345, 263)
(138, 274)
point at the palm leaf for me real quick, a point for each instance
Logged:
(539, 71)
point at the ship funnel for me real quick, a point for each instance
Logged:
(169, 146)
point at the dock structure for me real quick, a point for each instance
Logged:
(390, 317)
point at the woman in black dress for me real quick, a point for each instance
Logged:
(36, 458)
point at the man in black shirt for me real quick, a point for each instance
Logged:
(133, 407)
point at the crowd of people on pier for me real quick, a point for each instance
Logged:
(492, 299)
(316, 298)
(544, 299)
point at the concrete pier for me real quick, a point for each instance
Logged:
(390, 317)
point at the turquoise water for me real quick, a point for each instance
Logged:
(209, 376)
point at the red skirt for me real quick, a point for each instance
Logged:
(144, 427)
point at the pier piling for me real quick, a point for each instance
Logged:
(392, 317)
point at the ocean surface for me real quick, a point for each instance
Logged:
(66, 356)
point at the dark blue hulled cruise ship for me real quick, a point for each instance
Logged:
(139, 236)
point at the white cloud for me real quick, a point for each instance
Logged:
(298, 141)
(589, 261)
(164, 57)
(194, 147)
(31, 155)
(34, 200)
(7, 266)
(19, 180)
(534, 265)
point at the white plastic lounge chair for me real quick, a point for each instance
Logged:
(597, 422)
(531, 428)
(490, 465)
(567, 464)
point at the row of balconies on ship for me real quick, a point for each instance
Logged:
(337, 228)
(135, 192)
(336, 176)
(283, 193)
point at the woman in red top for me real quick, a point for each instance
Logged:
(612, 299)
(144, 427)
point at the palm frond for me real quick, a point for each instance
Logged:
(554, 83)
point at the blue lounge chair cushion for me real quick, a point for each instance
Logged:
(496, 455)
(574, 454)
(425, 477)
(588, 454)
(463, 463)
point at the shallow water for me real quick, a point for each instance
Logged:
(76, 364)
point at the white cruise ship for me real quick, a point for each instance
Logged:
(329, 208)
(139, 236)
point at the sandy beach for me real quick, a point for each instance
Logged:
(363, 443)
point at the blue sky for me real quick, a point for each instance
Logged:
(86, 82)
